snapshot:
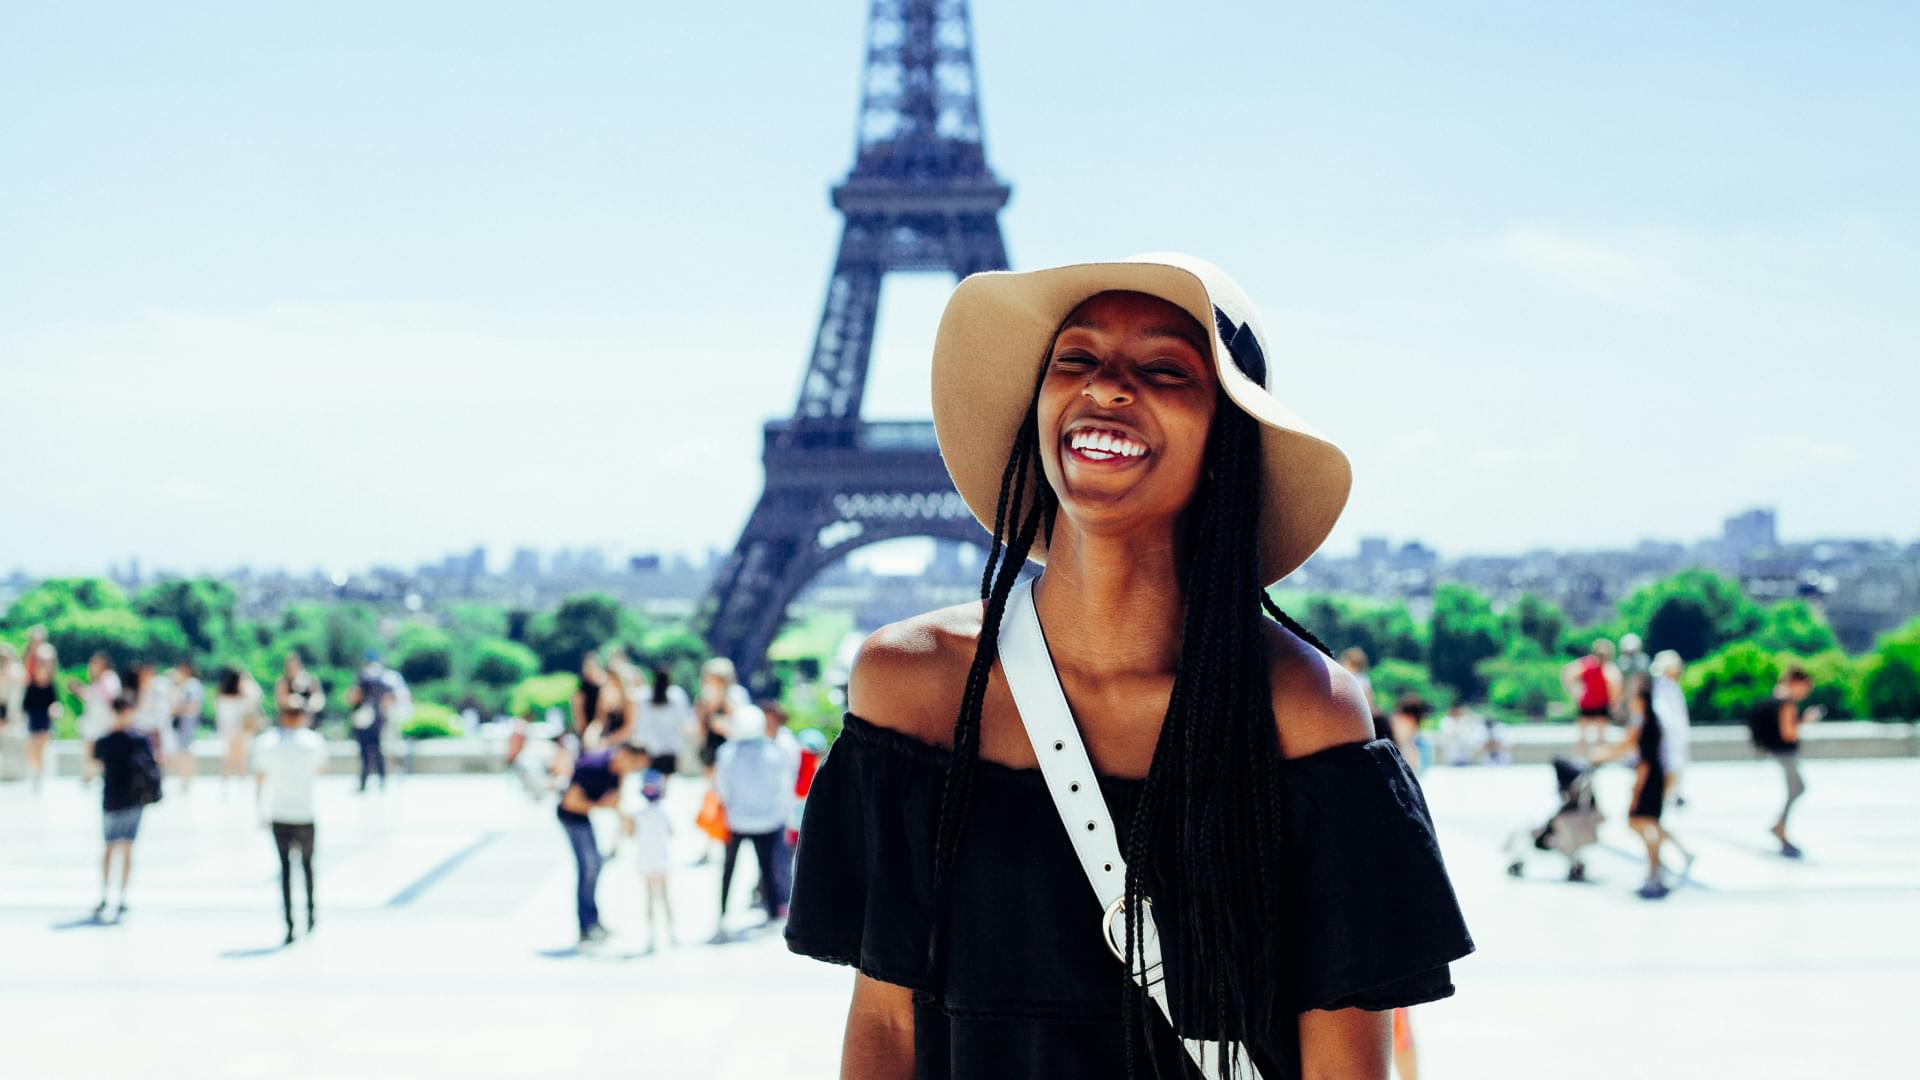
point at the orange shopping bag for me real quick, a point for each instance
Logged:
(712, 818)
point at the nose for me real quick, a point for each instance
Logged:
(1107, 389)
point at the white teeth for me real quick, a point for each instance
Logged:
(1105, 445)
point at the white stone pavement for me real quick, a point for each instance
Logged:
(445, 946)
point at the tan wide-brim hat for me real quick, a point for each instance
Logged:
(999, 326)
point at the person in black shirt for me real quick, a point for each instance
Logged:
(130, 780)
(1116, 422)
(1775, 726)
(595, 783)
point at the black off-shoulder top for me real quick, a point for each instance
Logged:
(1031, 989)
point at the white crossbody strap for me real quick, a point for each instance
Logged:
(1076, 797)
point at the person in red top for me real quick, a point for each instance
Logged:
(1594, 685)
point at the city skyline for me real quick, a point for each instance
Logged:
(356, 289)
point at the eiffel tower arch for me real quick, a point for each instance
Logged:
(920, 197)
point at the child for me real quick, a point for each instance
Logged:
(651, 832)
(595, 784)
(130, 780)
(286, 763)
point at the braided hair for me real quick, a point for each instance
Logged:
(1208, 814)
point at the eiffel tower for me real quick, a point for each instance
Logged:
(920, 197)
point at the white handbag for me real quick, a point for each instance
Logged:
(1076, 797)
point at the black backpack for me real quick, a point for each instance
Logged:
(145, 785)
(1763, 723)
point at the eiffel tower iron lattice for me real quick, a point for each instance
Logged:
(919, 197)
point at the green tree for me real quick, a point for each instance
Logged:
(1794, 626)
(201, 607)
(1726, 686)
(1694, 613)
(1382, 631)
(1523, 679)
(423, 654)
(47, 602)
(1889, 687)
(1395, 679)
(1836, 681)
(1465, 631)
(1539, 621)
(124, 637)
(498, 662)
(580, 625)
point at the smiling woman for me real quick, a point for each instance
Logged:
(1269, 876)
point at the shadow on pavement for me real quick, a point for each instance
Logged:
(248, 954)
(86, 922)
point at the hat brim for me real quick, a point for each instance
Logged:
(993, 338)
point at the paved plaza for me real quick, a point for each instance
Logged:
(446, 943)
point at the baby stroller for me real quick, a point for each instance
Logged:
(1571, 828)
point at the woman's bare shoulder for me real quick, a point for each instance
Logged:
(1317, 704)
(909, 676)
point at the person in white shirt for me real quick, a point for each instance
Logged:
(652, 836)
(663, 718)
(287, 762)
(1670, 704)
(189, 701)
(96, 713)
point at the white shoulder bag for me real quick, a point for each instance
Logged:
(1076, 797)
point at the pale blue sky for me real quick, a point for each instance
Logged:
(364, 282)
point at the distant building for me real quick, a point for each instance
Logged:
(1748, 533)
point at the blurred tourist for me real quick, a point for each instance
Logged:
(41, 702)
(1355, 661)
(296, 681)
(595, 785)
(1406, 1056)
(662, 718)
(754, 776)
(652, 841)
(236, 707)
(1646, 742)
(13, 686)
(1676, 727)
(189, 701)
(130, 781)
(1463, 735)
(1775, 727)
(1408, 714)
(154, 713)
(96, 696)
(1594, 684)
(373, 700)
(612, 721)
(287, 762)
(1635, 674)
(721, 699)
(586, 699)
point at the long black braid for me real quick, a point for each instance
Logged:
(1207, 822)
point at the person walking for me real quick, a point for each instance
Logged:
(40, 701)
(1207, 771)
(372, 701)
(130, 782)
(1647, 742)
(652, 843)
(13, 686)
(1775, 726)
(586, 699)
(97, 696)
(189, 702)
(1635, 674)
(613, 720)
(663, 718)
(1594, 684)
(296, 682)
(595, 784)
(236, 711)
(287, 763)
(1676, 726)
(754, 775)
(722, 703)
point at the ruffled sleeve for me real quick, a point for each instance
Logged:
(864, 868)
(1376, 921)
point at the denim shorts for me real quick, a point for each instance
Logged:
(123, 824)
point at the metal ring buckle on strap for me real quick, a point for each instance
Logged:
(1148, 977)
